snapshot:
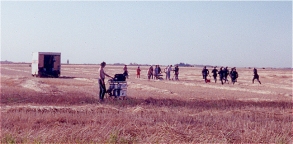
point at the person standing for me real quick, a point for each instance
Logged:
(205, 73)
(215, 73)
(255, 76)
(138, 72)
(125, 71)
(176, 70)
(166, 71)
(102, 75)
(150, 72)
(234, 75)
(169, 71)
(156, 72)
(159, 69)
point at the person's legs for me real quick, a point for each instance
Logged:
(258, 81)
(103, 92)
(257, 77)
(100, 94)
(233, 80)
(102, 89)
(221, 79)
(215, 78)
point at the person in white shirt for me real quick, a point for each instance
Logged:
(102, 75)
(166, 71)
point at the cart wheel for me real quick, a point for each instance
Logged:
(109, 95)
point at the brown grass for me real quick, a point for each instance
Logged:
(74, 115)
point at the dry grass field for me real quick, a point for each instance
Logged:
(66, 109)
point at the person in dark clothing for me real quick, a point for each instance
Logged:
(125, 73)
(234, 75)
(151, 72)
(176, 70)
(222, 75)
(159, 69)
(226, 73)
(255, 76)
(215, 73)
(205, 73)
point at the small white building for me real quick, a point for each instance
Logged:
(46, 64)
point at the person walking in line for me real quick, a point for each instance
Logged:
(176, 70)
(125, 71)
(102, 75)
(226, 73)
(215, 73)
(205, 72)
(222, 75)
(234, 75)
(255, 76)
(138, 72)
(230, 74)
(150, 72)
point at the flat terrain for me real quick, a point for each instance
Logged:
(66, 109)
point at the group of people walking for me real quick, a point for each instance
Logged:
(224, 73)
(156, 73)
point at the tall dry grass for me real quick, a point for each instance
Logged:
(79, 118)
(68, 112)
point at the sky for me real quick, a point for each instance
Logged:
(219, 33)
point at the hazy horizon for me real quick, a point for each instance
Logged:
(229, 33)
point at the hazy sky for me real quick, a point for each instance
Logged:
(230, 33)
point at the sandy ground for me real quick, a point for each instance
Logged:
(156, 106)
(276, 83)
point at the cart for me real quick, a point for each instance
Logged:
(117, 87)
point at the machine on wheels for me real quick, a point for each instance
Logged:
(117, 86)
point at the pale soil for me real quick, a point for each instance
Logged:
(82, 80)
(276, 84)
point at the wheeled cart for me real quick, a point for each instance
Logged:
(117, 87)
